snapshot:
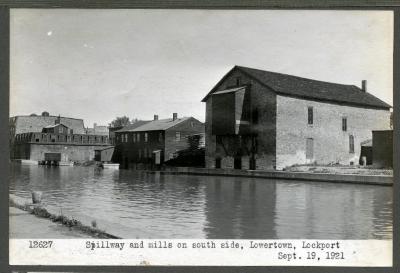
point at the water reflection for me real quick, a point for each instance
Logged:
(169, 206)
(240, 208)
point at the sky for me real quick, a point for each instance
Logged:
(100, 64)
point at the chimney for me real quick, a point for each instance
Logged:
(58, 120)
(364, 85)
(155, 117)
(174, 116)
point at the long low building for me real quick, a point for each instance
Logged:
(263, 120)
(56, 142)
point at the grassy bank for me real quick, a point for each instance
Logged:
(64, 220)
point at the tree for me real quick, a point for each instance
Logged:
(193, 156)
(33, 115)
(120, 122)
(45, 114)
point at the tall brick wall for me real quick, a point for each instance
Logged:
(331, 144)
(262, 99)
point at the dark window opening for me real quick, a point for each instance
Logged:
(37, 140)
(351, 144)
(310, 115)
(344, 124)
(252, 163)
(309, 148)
(255, 116)
(238, 81)
(218, 163)
(237, 163)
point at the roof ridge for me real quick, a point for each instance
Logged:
(294, 76)
(40, 116)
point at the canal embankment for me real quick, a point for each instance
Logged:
(26, 218)
(367, 178)
(23, 224)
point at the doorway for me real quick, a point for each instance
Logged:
(252, 163)
(218, 163)
(237, 163)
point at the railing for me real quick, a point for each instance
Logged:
(59, 138)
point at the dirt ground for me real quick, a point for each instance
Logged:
(340, 170)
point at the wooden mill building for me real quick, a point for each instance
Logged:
(257, 119)
(150, 143)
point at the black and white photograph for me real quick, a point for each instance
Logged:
(201, 124)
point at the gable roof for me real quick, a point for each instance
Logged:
(55, 125)
(130, 127)
(288, 85)
(153, 125)
(160, 124)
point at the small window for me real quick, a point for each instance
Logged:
(255, 116)
(218, 163)
(218, 140)
(238, 81)
(344, 124)
(310, 115)
(146, 137)
(37, 140)
(309, 148)
(160, 138)
(178, 136)
(351, 144)
(60, 130)
(134, 138)
(138, 137)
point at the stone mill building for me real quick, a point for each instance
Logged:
(262, 120)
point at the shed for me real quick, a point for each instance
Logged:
(103, 154)
(366, 152)
(58, 128)
(382, 148)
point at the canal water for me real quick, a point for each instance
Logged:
(180, 206)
